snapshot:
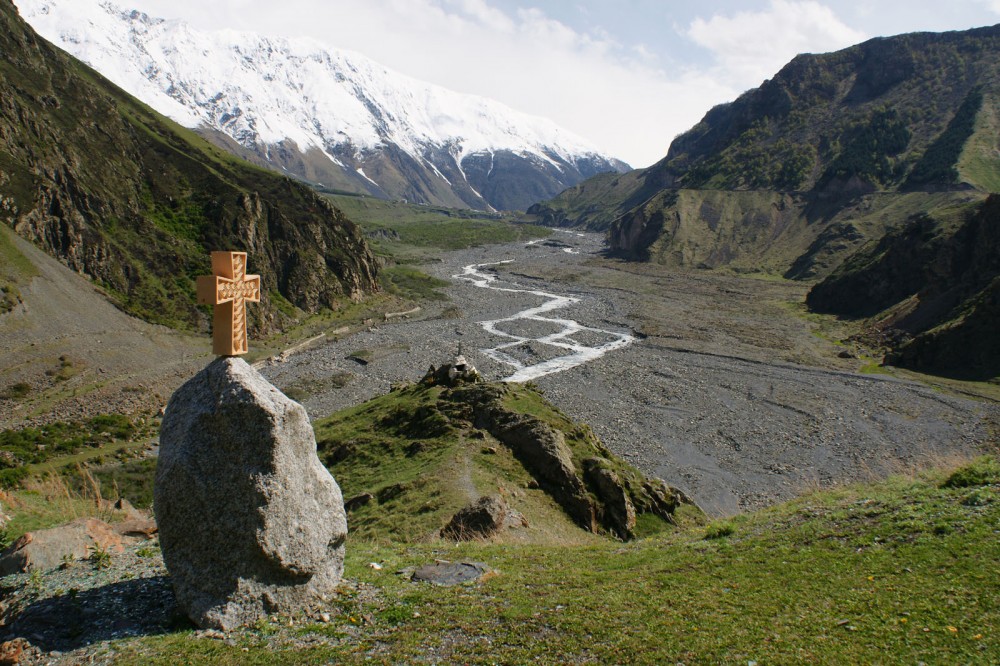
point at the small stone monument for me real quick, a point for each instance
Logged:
(250, 521)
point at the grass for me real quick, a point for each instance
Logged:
(409, 230)
(16, 270)
(62, 447)
(903, 571)
(52, 500)
(411, 284)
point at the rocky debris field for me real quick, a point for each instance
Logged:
(726, 394)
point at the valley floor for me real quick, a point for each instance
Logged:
(727, 394)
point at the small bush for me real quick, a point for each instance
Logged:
(17, 391)
(11, 478)
(719, 530)
(979, 497)
(980, 472)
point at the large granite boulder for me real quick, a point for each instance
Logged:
(250, 521)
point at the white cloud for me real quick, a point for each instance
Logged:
(751, 46)
(992, 5)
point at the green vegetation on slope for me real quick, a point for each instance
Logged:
(136, 202)
(945, 326)
(61, 445)
(939, 163)
(422, 452)
(401, 229)
(868, 149)
(903, 571)
(15, 271)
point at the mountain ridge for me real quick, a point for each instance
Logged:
(119, 193)
(329, 116)
(818, 171)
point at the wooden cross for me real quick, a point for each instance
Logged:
(228, 289)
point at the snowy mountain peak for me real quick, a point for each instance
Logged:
(327, 115)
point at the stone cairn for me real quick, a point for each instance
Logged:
(251, 523)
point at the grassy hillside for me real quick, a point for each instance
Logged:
(423, 452)
(15, 271)
(129, 198)
(902, 571)
(411, 232)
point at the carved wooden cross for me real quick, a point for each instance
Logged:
(228, 289)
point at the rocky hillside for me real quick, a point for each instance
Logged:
(932, 290)
(792, 177)
(331, 117)
(868, 167)
(127, 197)
(473, 460)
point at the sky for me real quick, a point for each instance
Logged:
(628, 75)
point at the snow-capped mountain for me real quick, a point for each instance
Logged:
(331, 117)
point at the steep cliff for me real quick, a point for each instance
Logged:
(932, 290)
(136, 202)
(835, 150)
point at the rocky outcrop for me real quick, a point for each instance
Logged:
(119, 193)
(618, 510)
(600, 493)
(250, 521)
(480, 520)
(48, 549)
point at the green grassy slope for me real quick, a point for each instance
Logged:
(903, 571)
(423, 452)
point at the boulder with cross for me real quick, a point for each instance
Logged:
(251, 523)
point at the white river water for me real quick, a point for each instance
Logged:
(576, 352)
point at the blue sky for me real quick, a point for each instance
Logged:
(629, 75)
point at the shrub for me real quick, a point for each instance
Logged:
(719, 530)
(980, 472)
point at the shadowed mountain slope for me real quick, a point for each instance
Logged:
(127, 197)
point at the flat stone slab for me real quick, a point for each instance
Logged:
(451, 573)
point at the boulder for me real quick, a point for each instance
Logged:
(47, 549)
(479, 520)
(250, 521)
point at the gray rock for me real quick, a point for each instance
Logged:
(618, 510)
(47, 549)
(250, 521)
(479, 520)
(451, 573)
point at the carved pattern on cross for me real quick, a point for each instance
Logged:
(228, 289)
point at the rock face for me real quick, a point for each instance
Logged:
(480, 520)
(250, 521)
(47, 549)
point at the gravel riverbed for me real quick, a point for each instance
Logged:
(731, 427)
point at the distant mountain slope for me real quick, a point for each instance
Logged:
(328, 116)
(868, 167)
(118, 192)
(932, 290)
(822, 142)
